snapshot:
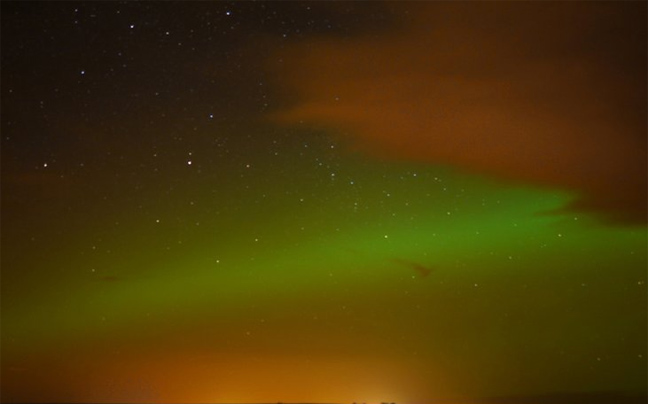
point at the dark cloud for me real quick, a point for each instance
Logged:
(422, 270)
(547, 94)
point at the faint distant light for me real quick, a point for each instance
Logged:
(132, 26)
(228, 12)
(45, 165)
(189, 162)
(82, 72)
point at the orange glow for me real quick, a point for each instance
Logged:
(236, 378)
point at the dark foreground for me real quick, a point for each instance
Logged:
(569, 398)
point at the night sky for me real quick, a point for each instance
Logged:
(323, 201)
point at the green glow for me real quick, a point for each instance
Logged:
(327, 249)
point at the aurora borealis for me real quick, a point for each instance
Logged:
(323, 202)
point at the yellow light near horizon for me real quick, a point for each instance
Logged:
(253, 379)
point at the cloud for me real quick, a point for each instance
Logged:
(547, 94)
(422, 270)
